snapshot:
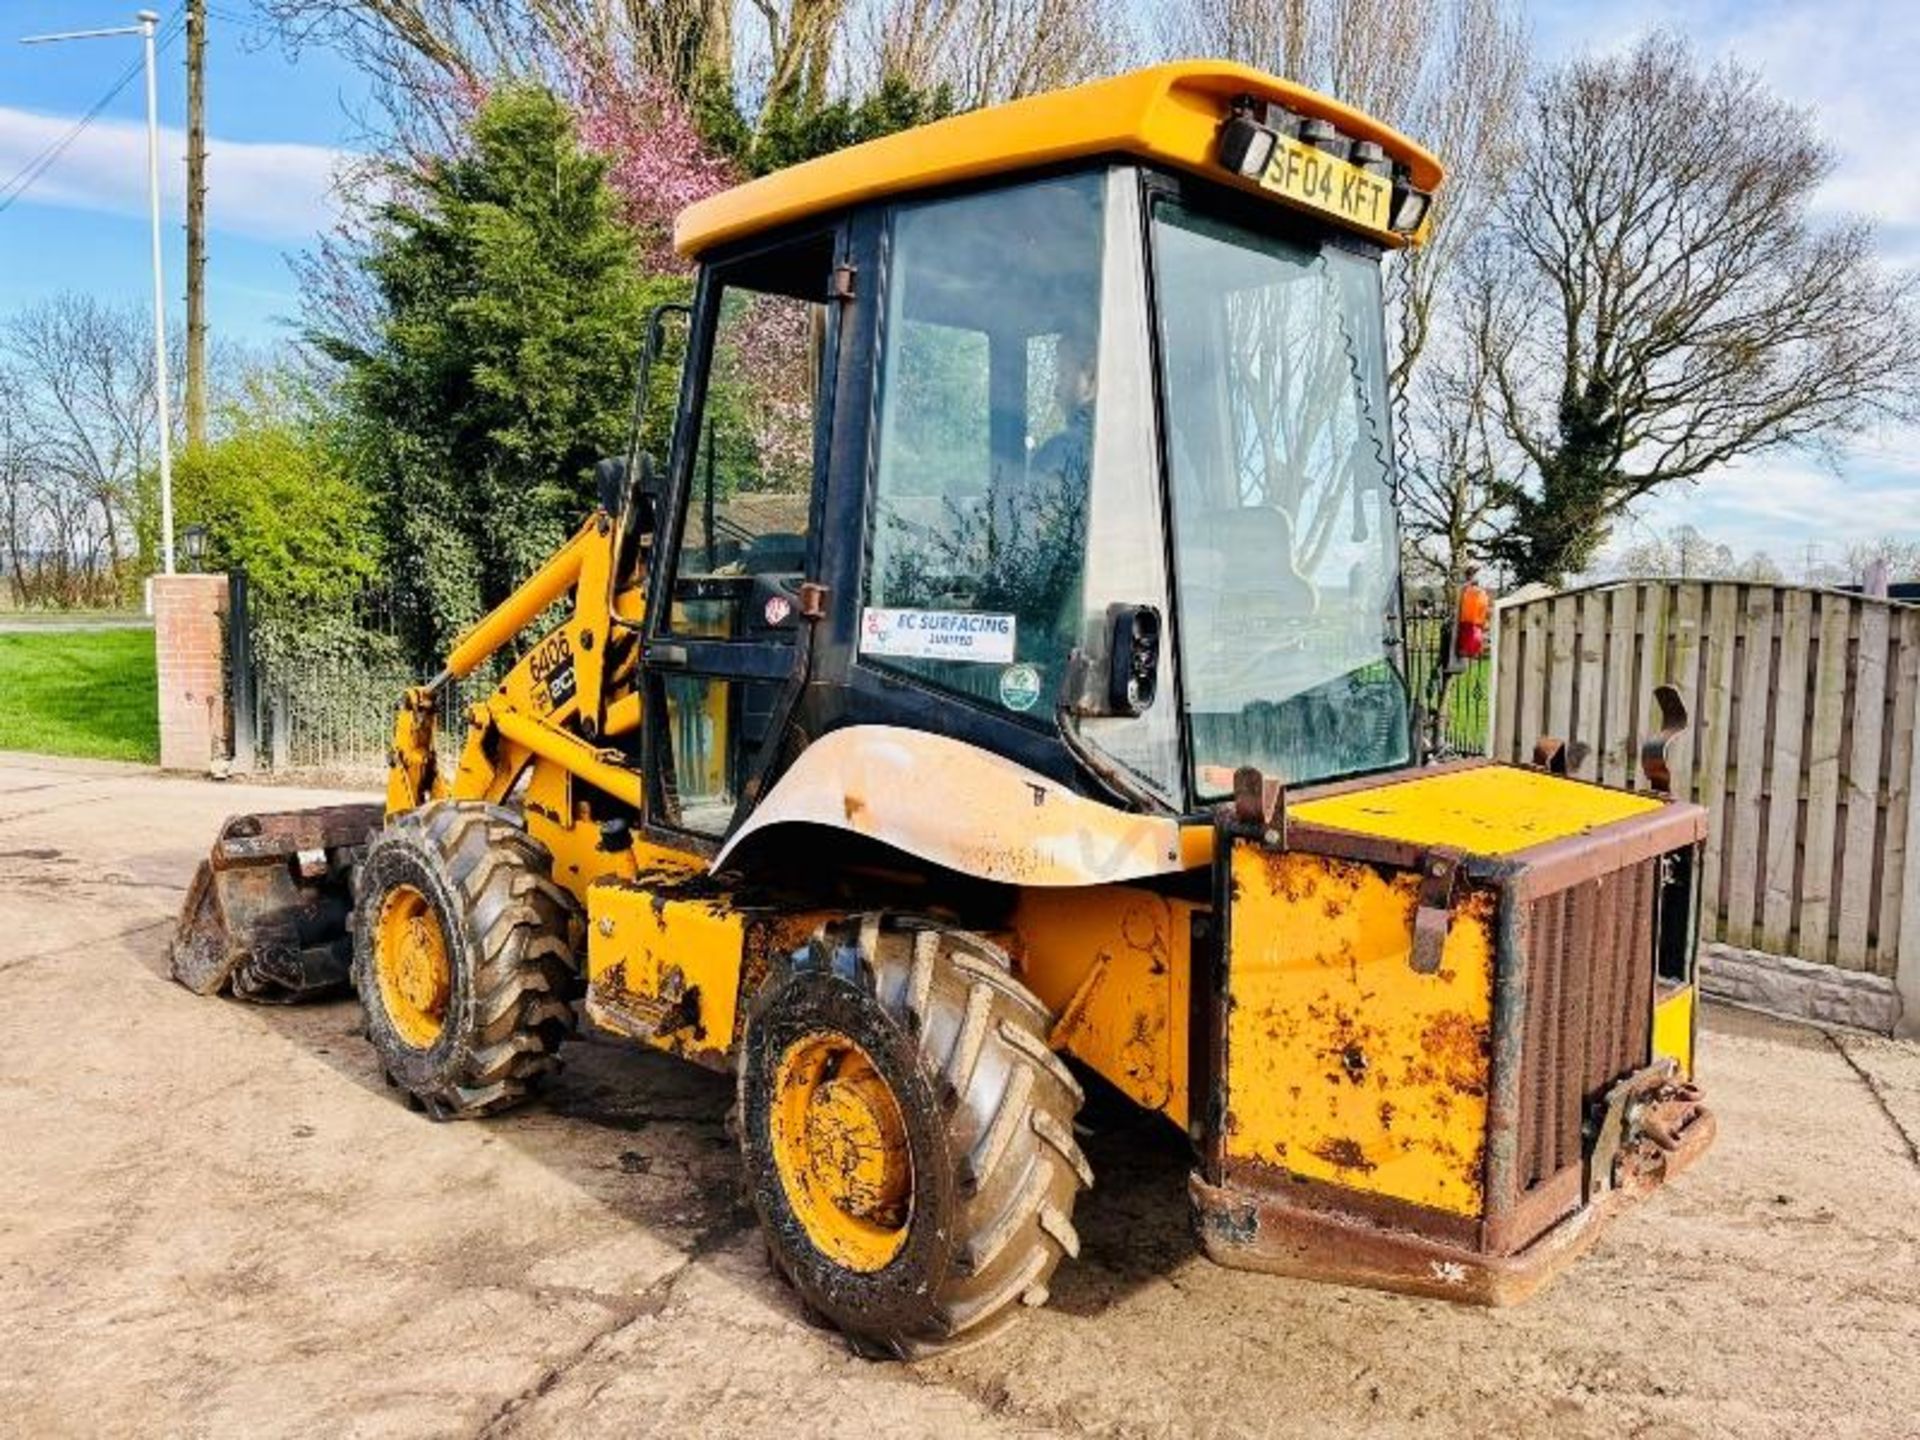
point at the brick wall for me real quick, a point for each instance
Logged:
(188, 643)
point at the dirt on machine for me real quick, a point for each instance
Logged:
(994, 677)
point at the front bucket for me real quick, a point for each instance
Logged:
(266, 917)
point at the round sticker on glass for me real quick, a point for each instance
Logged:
(1019, 687)
(778, 608)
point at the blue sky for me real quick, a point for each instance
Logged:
(277, 124)
(274, 124)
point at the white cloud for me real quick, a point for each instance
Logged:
(1783, 504)
(260, 189)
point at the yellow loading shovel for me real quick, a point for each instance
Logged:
(1434, 1054)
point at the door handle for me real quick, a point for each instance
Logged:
(666, 656)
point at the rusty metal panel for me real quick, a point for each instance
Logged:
(1589, 970)
(1343, 1062)
(266, 916)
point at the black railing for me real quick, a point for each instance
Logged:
(1456, 715)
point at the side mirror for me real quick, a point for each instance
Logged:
(646, 499)
(1133, 658)
(610, 483)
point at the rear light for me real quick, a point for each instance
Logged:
(1245, 147)
(1470, 619)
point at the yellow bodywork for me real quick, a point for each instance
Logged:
(674, 972)
(1486, 810)
(1343, 1063)
(1115, 965)
(1166, 113)
(1673, 1027)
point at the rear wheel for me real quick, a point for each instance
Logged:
(463, 957)
(908, 1135)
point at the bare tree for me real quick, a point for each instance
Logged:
(83, 374)
(1683, 553)
(429, 58)
(1453, 461)
(412, 46)
(21, 511)
(79, 444)
(1449, 73)
(1656, 300)
(988, 51)
(1899, 558)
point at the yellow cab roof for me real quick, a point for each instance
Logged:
(1169, 113)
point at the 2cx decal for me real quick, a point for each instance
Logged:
(552, 671)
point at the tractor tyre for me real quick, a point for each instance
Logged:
(463, 953)
(908, 1134)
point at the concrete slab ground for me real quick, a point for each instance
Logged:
(215, 1220)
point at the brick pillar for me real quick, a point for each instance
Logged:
(189, 664)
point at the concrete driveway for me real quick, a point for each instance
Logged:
(214, 1219)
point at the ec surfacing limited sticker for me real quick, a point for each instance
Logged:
(937, 635)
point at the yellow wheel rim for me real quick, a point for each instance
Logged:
(411, 965)
(840, 1146)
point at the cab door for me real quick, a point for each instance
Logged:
(726, 649)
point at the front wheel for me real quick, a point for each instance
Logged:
(463, 957)
(908, 1135)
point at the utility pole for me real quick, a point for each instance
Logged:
(196, 222)
(145, 22)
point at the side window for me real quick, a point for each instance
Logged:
(750, 488)
(983, 462)
(746, 502)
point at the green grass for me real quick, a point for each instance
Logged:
(77, 692)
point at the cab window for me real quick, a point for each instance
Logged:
(749, 491)
(988, 389)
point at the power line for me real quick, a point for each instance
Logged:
(31, 172)
(245, 22)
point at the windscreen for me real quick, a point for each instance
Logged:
(1286, 551)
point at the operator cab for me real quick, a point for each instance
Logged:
(1085, 463)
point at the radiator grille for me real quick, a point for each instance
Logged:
(1589, 1010)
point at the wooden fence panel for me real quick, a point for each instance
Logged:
(1506, 680)
(1867, 728)
(1745, 815)
(1533, 681)
(1903, 671)
(1813, 935)
(1562, 677)
(1686, 616)
(1802, 744)
(1785, 778)
(1714, 723)
(1619, 632)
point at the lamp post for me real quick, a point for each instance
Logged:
(147, 20)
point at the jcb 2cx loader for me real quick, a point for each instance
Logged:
(1000, 668)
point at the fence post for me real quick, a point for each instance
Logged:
(277, 723)
(187, 669)
(246, 731)
(1906, 975)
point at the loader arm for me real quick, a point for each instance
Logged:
(568, 694)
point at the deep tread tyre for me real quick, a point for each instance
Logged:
(510, 935)
(988, 1112)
